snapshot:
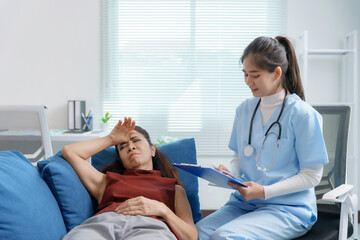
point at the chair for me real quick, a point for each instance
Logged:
(25, 129)
(336, 202)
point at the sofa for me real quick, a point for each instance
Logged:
(47, 201)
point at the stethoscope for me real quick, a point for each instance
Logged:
(249, 150)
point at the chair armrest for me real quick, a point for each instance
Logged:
(344, 194)
(338, 194)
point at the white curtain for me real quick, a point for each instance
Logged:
(173, 65)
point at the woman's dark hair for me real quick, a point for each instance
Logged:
(269, 53)
(160, 161)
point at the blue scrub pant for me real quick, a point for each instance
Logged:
(243, 221)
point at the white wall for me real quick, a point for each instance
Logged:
(327, 22)
(50, 52)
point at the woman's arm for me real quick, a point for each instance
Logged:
(180, 222)
(76, 153)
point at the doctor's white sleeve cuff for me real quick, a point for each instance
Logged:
(234, 165)
(307, 178)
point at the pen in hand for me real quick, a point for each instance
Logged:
(229, 174)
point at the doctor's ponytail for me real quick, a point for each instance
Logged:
(292, 80)
(269, 53)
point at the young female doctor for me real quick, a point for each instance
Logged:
(278, 148)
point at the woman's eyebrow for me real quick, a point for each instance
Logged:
(125, 142)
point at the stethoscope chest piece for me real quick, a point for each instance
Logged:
(248, 150)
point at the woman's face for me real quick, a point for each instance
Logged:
(261, 82)
(136, 153)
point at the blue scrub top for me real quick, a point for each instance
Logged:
(301, 145)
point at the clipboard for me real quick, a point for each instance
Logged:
(210, 174)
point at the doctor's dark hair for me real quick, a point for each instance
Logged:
(269, 53)
(160, 161)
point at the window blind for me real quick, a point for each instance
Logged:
(173, 65)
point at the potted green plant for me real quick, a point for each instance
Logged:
(105, 121)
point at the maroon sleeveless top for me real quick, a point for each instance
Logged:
(135, 183)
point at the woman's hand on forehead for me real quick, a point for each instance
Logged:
(122, 131)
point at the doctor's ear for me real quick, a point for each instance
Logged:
(278, 73)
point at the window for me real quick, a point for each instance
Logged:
(174, 65)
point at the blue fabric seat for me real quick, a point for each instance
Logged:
(47, 202)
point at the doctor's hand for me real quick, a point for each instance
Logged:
(121, 131)
(221, 168)
(253, 190)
